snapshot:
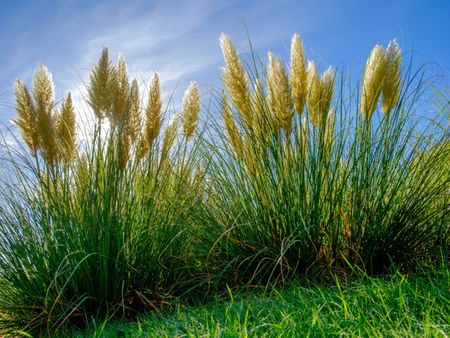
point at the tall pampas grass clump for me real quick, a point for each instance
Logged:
(103, 227)
(317, 182)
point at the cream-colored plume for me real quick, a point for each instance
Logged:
(100, 85)
(120, 87)
(191, 110)
(134, 124)
(43, 94)
(297, 75)
(314, 93)
(327, 90)
(153, 111)
(391, 83)
(170, 135)
(236, 80)
(279, 93)
(372, 81)
(27, 119)
(65, 126)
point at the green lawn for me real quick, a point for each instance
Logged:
(400, 305)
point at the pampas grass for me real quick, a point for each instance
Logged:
(300, 176)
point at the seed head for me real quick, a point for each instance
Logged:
(153, 111)
(120, 88)
(27, 117)
(65, 127)
(372, 81)
(101, 82)
(191, 110)
(170, 135)
(297, 74)
(279, 93)
(236, 80)
(234, 136)
(327, 90)
(314, 93)
(43, 93)
(391, 83)
(134, 125)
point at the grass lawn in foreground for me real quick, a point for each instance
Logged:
(400, 305)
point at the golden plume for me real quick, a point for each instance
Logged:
(27, 119)
(43, 94)
(391, 83)
(65, 127)
(236, 80)
(314, 93)
(120, 88)
(169, 136)
(279, 94)
(153, 111)
(134, 124)
(297, 75)
(191, 110)
(372, 81)
(99, 88)
(234, 136)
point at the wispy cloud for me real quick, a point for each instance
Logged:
(176, 38)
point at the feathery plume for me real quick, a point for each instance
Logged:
(43, 94)
(153, 111)
(236, 80)
(327, 90)
(234, 136)
(372, 81)
(314, 93)
(99, 88)
(65, 127)
(134, 124)
(169, 136)
(27, 119)
(297, 75)
(191, 110)
(391, 82)
(120, 88)
(279, 95)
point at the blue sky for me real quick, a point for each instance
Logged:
(179, 39)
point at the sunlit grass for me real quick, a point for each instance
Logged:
(395, 306)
